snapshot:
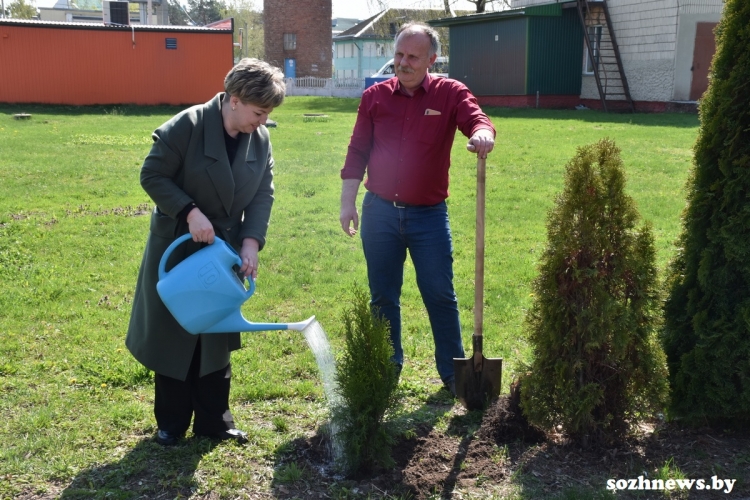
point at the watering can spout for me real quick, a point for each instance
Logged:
(301, 325)
(235, 322)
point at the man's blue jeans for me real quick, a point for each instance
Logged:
(387, 232)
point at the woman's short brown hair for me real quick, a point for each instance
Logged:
(256, 82)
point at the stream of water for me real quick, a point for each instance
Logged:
(318, 342)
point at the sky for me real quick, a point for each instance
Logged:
(359, 9)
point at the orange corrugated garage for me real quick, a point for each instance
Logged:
(83, 64)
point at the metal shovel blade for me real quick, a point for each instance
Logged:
(478, 379)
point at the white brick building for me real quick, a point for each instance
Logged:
(665, 46)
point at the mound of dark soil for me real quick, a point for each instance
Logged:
(430, 462)
(443, 463)
(480, 462)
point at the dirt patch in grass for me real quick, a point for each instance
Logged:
(507, 457)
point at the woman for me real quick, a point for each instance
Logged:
(210, 174)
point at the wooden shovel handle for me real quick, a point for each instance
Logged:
(479, 253)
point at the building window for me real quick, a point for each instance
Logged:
(171, 43)
(368, 49)
(594, 34)
(290, 41)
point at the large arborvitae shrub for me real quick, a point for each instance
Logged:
(367, 383)
(597, 361)
(707, 314)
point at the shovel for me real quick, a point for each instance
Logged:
(478, 378)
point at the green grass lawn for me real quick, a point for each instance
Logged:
(73, 224)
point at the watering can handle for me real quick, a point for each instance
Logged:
(168, 252)
(185, 237)
(250, 288)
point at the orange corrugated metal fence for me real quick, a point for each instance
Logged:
(64, 64)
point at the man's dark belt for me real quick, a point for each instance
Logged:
(400, 204)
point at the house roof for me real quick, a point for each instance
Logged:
(223, 24)
(362, 27)
(101, 26)
(341, 24)
(380, 26)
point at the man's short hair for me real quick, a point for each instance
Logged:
(256, 82)
(415, 28)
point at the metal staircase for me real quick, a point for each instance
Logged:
(601, 45)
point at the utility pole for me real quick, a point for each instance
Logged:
(244, 40)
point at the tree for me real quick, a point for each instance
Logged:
(204, 12)
(89, 4)
(481, 4)
(177, 15)
(250, 21)
(20, 9)
(707, 314)
(598, 365)
(367, 385)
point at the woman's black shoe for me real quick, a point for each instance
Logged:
(165, 438)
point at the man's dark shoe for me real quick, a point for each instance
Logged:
(450, 386)
(165, 438)
(239, 436)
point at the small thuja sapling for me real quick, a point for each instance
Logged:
(367, 382)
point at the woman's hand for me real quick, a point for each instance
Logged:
(200, 227)
(249, 256)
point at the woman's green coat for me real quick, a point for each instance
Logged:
(188, 163)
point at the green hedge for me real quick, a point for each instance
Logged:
(707, 314)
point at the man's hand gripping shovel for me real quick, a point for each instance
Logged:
(478, 378)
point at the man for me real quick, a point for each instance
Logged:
(402, 138)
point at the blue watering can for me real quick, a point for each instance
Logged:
(204, 294)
